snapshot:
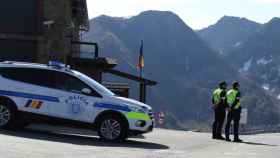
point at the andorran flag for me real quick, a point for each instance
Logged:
(34, 104)
(140, 64)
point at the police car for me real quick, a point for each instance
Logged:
(54, 93)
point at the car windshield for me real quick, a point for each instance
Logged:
(99, 87)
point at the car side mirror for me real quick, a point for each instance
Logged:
(86, 91)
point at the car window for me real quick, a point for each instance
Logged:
(33, 76)
(102, 89)
(66, 82)
(47, 78)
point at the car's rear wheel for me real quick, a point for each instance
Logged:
(112, 128)
(7, 115)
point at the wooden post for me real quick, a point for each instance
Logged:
(142, 92)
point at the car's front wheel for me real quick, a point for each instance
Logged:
(112, 128)
(7, 115)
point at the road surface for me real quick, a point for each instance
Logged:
(159, 144)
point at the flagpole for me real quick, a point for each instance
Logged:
(141, 56)
(142, 87)
(141, 73)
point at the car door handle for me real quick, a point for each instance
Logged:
(62, 98)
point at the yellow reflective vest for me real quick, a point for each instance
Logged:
(233, 98)
(217, 96)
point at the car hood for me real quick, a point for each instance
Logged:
(131, 102)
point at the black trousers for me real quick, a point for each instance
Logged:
(234, 116)
(220, 114)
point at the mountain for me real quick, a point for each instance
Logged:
(186, 68)
(259, 57)
(229, 33)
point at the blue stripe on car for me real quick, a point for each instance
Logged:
(112, 106)
(29, 96)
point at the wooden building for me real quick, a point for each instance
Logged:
(44, 30)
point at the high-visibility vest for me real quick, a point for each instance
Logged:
(231, 97)
(217, 96)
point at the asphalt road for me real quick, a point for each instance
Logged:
(159, 144)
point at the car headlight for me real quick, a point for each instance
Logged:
(138, 109)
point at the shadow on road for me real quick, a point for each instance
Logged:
(261, 144)
(79, 140)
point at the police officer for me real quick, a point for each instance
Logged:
(233, 99)
(219, 106)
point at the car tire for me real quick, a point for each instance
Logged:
(7, 115)
(112, 128)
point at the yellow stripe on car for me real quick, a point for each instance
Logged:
(138, 116)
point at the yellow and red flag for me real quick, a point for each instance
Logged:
(141, 62)
(33, 104)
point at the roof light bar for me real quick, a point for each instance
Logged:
(59, 65)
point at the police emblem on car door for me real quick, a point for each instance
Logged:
(74, 95)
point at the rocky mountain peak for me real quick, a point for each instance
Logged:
(235, 20)
(273, 24)
(185, 67)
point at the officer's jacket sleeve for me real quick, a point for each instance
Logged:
(224, 98)
(237, 99)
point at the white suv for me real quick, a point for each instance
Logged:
(56, 94)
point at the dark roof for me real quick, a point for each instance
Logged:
(101, 63)
(112, 85)
(131, 77)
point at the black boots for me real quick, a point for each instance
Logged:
(218, 137)
(221, 138)
(238, 140)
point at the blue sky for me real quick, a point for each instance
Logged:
(196, 13)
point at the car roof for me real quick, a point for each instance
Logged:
(16, 64)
